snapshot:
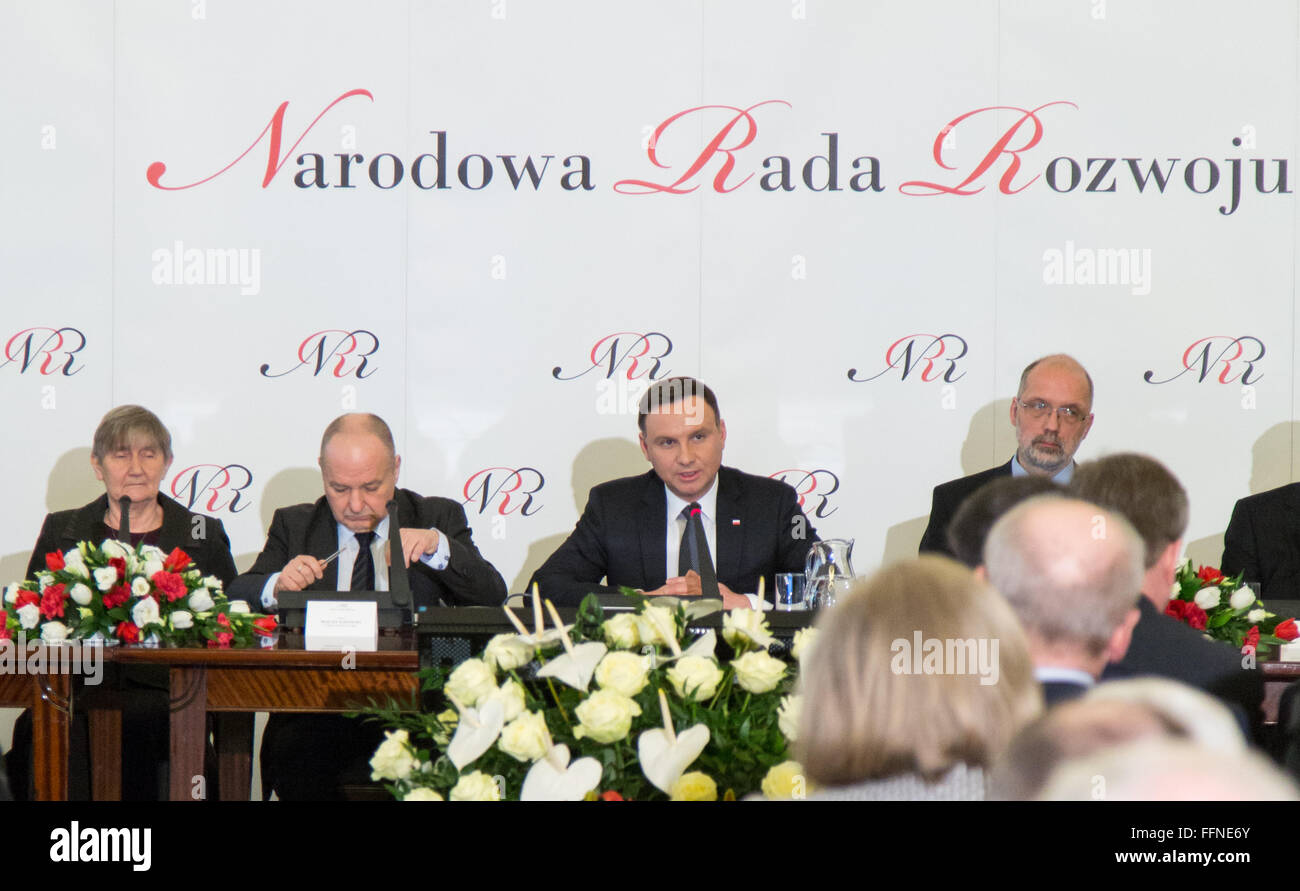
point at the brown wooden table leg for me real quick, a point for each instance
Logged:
(50, 726)
(189, 700)
(234, 738)
(105, 752)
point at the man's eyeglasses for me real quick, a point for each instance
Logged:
(1067, 415)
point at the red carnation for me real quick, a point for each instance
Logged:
(52, 601)
(176, 560)
(1186, 611)
(169, 583)
(223, 620)
(610, 795)
(1209, 575)
(24, 597)
(54, 561)
(222, 642)
(1286, 630)
(5, 633)
(120, 565)
(1250, 642)
(116, 596)
(264, 626)
(127, 632)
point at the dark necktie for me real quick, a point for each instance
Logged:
(693, 552)
(363, 569)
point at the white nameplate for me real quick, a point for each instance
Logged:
(342, 625)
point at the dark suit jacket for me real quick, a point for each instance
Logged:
(1165, 647)
(1056, 692)
(621, 537)
(947, 498)
(468, 580)
(1263, 540)
(211, 553)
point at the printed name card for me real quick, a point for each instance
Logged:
(342, 625)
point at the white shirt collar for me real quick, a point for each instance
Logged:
(1049, 673)
(708, 502)
(348, 538)
(1062, 477)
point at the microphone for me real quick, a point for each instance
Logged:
(124, 524)
(399, 584)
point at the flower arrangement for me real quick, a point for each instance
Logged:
(1226, 610)
(633, 707)
(112, 592)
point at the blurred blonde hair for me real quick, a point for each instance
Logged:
(860, 720)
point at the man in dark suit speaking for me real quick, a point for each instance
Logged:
(313, 756)
(641, 531)
(1052, 413)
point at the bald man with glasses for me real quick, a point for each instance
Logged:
(1052, 413)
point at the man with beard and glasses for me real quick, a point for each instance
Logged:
(1052, 413)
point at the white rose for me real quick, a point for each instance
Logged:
(113, 548)
(105, 578)
(423, 793)
(80, 594)
(145, 612)
(506, 652)
(29, 615)
(472, 681)
(53, 632)
(526, 737)
(804, 639)
(200, 600)
(75, 563)
(393, 760)
(182, 619)
(695, 675)
(1242, 598)
(140, 586)
(605, 716)
(239, 607)
(745, 628)
(757, 672)
(153, 552)
(1208, 598)
(476, 786)
(11, 593)
(787, 716)
(151, 567)
(1256, 616)
(621, 631)
(653, 623)
(624, 672)
(511, 696)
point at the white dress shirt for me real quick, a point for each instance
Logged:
(349, 546)
(676, 525)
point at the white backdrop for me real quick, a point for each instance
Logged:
(464, 300)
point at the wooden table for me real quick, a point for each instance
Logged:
(1277, 677)
(48, 698)
(233, 684)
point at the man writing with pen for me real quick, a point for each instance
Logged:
(339, 543)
